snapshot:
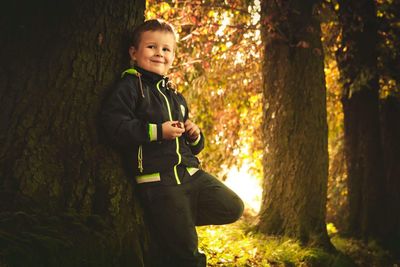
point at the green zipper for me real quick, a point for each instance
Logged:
(176, 139)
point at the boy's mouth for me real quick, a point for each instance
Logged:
(157, 61)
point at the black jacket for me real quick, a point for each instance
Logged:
(132, 117)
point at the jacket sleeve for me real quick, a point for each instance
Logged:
(118, 119)
(198, 145)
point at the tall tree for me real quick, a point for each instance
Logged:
(57, 59)
(390, 114)
(357, 62)
(295, 126)
(389, 71)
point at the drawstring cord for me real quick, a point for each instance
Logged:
(139, 75)
(140, 159)
(140, 83)
(165, 82)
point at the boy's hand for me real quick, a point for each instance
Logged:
(192, 130)
(172, 129)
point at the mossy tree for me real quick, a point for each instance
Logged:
(57, 60)
(295, 124)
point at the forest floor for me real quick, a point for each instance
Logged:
(236, 245)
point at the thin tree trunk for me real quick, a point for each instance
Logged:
(295, 126)
(57, 59)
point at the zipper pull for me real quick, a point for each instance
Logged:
(171, 86)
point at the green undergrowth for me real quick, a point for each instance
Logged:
(236, 245)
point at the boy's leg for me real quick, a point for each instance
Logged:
(216, 203)
(169, 213)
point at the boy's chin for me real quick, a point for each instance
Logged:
(159, 71)
(162, 73)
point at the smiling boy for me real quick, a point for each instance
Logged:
(154, 52)
(148, 121)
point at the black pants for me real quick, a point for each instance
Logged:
(173, 211)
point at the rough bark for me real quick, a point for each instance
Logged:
(295, 125)
(357, 61)
(57, 60)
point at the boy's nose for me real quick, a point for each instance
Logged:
(159, 52)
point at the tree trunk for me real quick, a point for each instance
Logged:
(58, 58)
(295, 127)
(390, 115)
(357, 61)
(389, 71)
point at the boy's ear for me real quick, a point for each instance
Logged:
(132, 52)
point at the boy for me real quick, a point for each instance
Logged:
(149, 122)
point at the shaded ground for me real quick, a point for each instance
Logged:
(70, 240)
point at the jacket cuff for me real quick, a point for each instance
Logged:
(159, 132)
(153, 132)
(195, 142)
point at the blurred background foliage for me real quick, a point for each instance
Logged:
(218, 69)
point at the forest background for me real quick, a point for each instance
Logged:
(220, 66)
(60, 192)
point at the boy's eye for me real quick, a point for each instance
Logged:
(166, 49)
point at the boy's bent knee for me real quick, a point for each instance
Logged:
(233, 211)
(237, 208)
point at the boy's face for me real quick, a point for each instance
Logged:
(155, 52)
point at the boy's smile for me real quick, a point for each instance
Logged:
(155, 52)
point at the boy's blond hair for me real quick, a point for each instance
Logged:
(151, 25)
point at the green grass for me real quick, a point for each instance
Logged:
(236, 245)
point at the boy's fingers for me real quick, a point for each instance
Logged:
(189, 128)
(189, 123)
(179, 130)
(177, 124)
